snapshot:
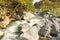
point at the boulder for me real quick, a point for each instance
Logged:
(25, 27)
(57, 25)
(45, 29)
(54, 38)
(28, 15)
(54, 32)
(1, 34)
(5, 22)
(11, 32)
(31, 34)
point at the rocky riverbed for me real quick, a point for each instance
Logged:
(32, 27)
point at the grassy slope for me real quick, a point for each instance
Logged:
(53, 7)
(26, 3)
(49, 6)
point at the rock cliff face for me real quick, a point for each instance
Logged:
(33, 27)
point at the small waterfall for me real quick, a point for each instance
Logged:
(34, 1)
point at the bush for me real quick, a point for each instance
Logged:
(25, 5)
(49, 6)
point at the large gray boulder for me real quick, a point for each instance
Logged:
(54, 38)
(45, 29)
(31, 34)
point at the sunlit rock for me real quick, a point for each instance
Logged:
(5, 22)
(25, 27)
(31, 34)
(28, 15)
(1, 34)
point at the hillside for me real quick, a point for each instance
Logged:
(21, 20)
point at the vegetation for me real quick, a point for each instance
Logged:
(20, 4)
(13, 10)
(52, 6)
(27, 3)
(14, 6)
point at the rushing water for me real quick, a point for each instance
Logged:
(36, 1)
(10, 32)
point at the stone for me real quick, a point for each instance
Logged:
(58, 19)
(57, 25)
(28, 15)
(25, 27)
(11, 32)
(33, 27)
(54, 38)
(45, 29)
(1, 34)
(33, 21)
(31, 34)
(22, 38)
(5, 22)
(54, 32)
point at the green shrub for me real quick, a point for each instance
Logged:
(23, 4)
(49, 6)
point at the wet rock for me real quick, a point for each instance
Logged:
(54, 38)
(56, 23)
(33, 21)
(10, 32)
(45, 29)
(33, 27)
(58, 19)
(54, 32)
